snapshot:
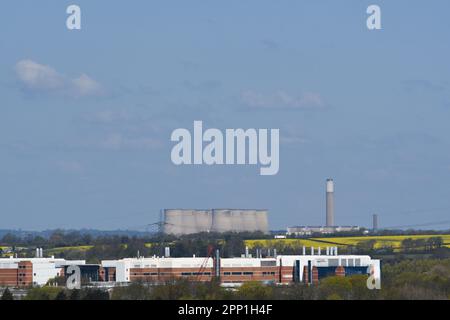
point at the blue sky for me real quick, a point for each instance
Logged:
(87, 143)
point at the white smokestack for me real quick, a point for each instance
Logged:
(330, 203)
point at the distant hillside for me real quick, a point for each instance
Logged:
(92, 232)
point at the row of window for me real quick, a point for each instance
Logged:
(166, 273)
(196, 273)
(236, 273)
(247, 273)
(265, 273)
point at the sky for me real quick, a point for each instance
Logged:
(86, 115)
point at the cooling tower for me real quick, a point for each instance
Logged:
(181, 221)
(224, 220)
(330, 203)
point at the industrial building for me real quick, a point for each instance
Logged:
(281, 269)
(307, 268)
(310, 230)
(187, 221)
(26, 272)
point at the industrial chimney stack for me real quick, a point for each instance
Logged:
(330, 203)
(375, 222)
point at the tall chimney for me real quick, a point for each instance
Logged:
(330, 203)
(375, 222)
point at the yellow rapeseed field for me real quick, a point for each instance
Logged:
(380, 241)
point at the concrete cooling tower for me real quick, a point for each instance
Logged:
(182, 221)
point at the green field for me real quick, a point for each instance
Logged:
(60, 250)
(380, 241)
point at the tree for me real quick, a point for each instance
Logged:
(94, 294)
(61, 296)
(174, 289)
(43, 293)
(335, 287)
(135, 291)
(7, 295)
(407, 244)
(366, 246)
(74, 295)
(255, 291)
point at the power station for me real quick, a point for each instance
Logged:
(190, 221)
(330, 225)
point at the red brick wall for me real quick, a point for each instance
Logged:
(305, 275)
(252, 274)
(287, 274)
(162, 274)
(340, 271)
(22, 276)
(25, 274)
(315, 276)
(8, 277)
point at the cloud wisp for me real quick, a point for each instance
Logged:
(117, 141)
(282, 100)
(37, 78)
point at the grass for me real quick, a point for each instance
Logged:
(380, 241)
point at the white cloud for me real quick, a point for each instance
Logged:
(282, 100)
(117, 141)
(85, 86)
(39, 78)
